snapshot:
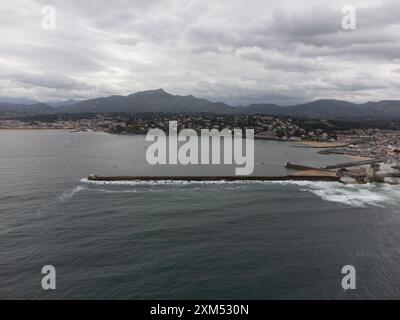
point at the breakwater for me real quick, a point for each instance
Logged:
(212, 178)
(353, 164)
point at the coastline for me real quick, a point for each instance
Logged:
(320, 144)
(38, 129)
(358, 158)
(297, 174)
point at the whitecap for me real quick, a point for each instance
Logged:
(378, 195)
(353, 195)
(70, 193)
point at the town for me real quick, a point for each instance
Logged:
(264, 126)
(363, 142)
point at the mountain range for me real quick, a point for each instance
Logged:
(157, 101)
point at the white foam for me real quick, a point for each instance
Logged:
(167, 182)
(378, 195)
(70, 193)
(116, 191)
(360, 197)
(357, 195)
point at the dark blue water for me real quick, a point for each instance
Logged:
(273, 240)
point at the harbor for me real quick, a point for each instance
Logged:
(364, 160)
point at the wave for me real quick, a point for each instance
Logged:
(114, 191)
(355, 195)
(358, 195)
(70, 193)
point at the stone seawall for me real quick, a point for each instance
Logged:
(212, 178)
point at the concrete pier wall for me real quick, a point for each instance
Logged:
(212, 178)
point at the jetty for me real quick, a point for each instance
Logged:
(261, 137)
(353, 164)
(319, 145)
(360, 173)
(294, 166)
(212, 178)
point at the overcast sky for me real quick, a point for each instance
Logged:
(237, 52)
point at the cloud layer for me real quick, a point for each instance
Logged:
(238, 52)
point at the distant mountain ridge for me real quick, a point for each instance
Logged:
(59, 103)
(159, 101)
(147, 101)
(332, 110)
(37, 108)
(17, 100)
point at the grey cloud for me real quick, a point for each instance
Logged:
(53, 58)
(382, 14)
(358, 82)
(205, 49)
(234, 51)
(47, 80)
(317, 31)
(315, 21)
(276, 61)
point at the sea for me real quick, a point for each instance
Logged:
(185, 240)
